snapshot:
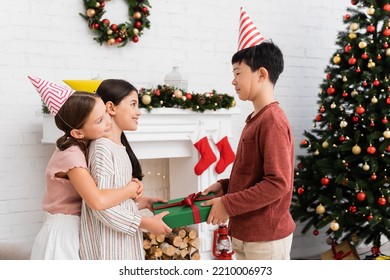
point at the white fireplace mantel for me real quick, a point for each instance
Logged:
(165, 133)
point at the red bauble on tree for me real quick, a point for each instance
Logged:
(361, 196)
(382, 201)
(325, 181)
(330, 90)
(360, 110)
(371, 150)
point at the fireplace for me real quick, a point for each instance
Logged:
(164, 133)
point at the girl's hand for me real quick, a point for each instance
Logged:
(146, 202)
(140, 187)
(155, 224)
(133, 189)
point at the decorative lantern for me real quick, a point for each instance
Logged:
(175, 79)
(222, 245)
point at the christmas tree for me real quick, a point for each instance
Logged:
(342, 181)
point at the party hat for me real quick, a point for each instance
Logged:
(249, 35)
(84, 85)
(54, 96)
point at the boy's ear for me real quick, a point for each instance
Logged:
(110, 107)
(262, 74)
(77, 134)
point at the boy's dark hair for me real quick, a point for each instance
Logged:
(72, 115)
(115, 90)
(267, 55)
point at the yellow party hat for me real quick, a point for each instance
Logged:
(84, 85)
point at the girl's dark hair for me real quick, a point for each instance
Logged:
(115, 90)
(267, 55)
(72, 115)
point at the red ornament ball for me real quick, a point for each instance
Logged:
(361, 196)
(384, 120)
(388, 100)
(355, 119)
(325, 181)
(315, 232)
(345, 94)
(113, 27)
(347, 48)
(352, 61)
(135, 39)
(370, 28)
(354, 2)
(301, 190)
(386, 32)
(360, 110)
(330, 90)
(376, 83)
(137, 24)
(373, 176)
(369, 217)
(352, 209)
(388, 149)
(365, 56)
(342, 138)
(188, 95)
(382, 201)
(318, 117)
(347, 16)
(371, 150)
(386, 7)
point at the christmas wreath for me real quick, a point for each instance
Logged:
(164, 96)
(121, 33)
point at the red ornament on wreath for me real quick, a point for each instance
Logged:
(122, 33)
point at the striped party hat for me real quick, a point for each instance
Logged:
(249, 35)
(54, 96)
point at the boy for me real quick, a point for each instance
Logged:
(257, 196)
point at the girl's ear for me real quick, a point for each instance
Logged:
(110, 107)
(77, 134)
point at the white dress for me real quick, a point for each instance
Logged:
(114, 233)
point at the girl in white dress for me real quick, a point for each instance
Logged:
(115, 233)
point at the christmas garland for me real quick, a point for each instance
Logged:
(121, 33)
(164, 96)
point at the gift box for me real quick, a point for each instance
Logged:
(184, 211)
(342, 251)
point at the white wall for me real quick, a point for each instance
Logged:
(50, 40)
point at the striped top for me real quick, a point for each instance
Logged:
(114, 233)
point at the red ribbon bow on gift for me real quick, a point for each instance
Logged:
(339, 255)
(189, 201)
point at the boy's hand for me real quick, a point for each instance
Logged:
(217, 213)
(216, 188)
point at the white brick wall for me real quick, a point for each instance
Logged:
(50, 40)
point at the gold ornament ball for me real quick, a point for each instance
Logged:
(356, 150)
(146, 99)
(362, 44)
(354, 26)
(336, 59)
(317, 152)
(109, 32)
(352, 35)
(345, 79)
(91, 13)
(137, 15)
(386, 134)
(333, 105)
(366, 167)
(374, 100)
(320, 209)
(135, 31)
(325, 144)
(334, 226)
(343, 124)
(178, 93)
(371, 11)
(388, 52)
(111, 41)
(371, 64)
(233, 103)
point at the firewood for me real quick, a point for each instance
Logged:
(147, 244)
(195, 242)
(167, 249)
(192, 234)
(183, 245)
(174, 239)
(195, 256)
(180, 232)
(160, 238)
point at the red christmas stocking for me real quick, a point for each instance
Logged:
(207, 156)
(227, 155)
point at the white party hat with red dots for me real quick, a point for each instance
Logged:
(53, 95)
(249, 36)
